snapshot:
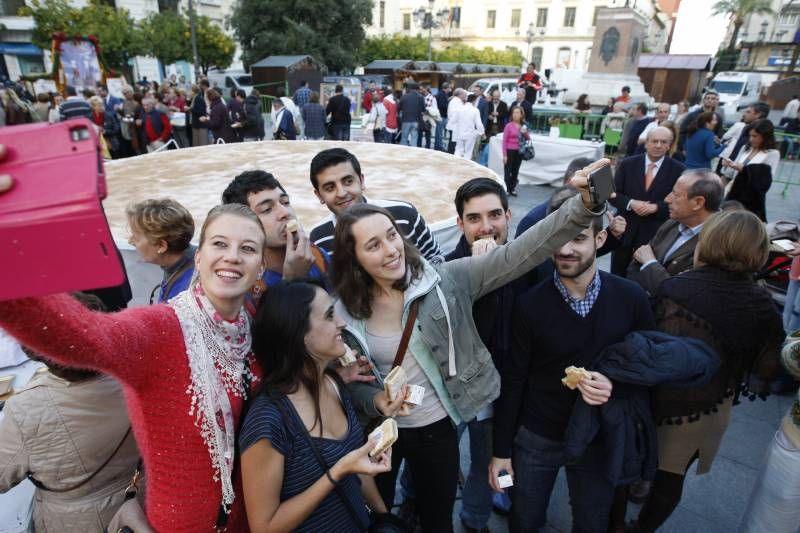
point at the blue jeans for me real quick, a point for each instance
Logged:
(341, 132)
(791, 307)
(536, 462)
(409, 133)
(476, 496)
(438, 135)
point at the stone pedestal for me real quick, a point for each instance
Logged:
(618, 40)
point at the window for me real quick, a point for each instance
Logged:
(10, 8)
(541, 17)
(564, 57)
(569, 17)
(382, 15)
(789, 18)
(490, 18)
(516, 16)
(406, 21)
(536, 55)
(167, 6)
(455, 17)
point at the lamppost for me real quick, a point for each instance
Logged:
(530, 36)
(193, 32)
(425, 19)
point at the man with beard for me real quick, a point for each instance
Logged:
(563, 321)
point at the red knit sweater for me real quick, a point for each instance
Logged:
(143, 348)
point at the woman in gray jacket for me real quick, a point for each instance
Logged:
(377, 275)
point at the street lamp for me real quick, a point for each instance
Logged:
(763, 33)
(530, 36)
(427, 20)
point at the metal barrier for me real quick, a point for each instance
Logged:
(789, 168)
(572, 125)
(266, 99)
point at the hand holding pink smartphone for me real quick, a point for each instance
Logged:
(54, 235)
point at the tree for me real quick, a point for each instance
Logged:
(114, 28)
(164, 37)
(214, 48)
(416, 49)
(329, 30)
(738, 11)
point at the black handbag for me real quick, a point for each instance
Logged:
(526, 150)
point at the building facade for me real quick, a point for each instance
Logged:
(551, 33)
(769, 41)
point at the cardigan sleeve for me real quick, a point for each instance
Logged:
(127, 344)
(711, 149)
(14, 459)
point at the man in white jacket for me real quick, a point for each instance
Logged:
(468, 128)
(453, 107)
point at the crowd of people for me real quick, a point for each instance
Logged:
(241, 414)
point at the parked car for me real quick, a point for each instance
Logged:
(507, 86)
(737, 90)
(225, 80)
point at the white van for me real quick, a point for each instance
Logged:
(736, 91)
(507, 87)
(225, 80)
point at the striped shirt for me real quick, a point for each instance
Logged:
(408, 220)
(75, 107)
(300, 467)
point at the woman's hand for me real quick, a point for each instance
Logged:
(595, 391)
(359, 462)
(361, 370)
(581, 180)
(396, 407)
(497, 465)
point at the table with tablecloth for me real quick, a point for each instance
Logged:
(553, 154)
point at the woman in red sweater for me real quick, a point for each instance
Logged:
(184, 369)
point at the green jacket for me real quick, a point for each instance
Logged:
(459, 366)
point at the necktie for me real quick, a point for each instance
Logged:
(649, 176)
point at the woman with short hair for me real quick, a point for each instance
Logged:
(380, 277)
(185, 369)
(719, 303)
(161, 231)
(303, 405)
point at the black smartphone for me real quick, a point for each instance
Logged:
(601, 185)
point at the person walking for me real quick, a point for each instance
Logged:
(513, 133)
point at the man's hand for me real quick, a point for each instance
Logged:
(791, 253)
(643, 208)
(298, 256)
(616, 225)
(643, 254)
(497, 465)
(581, 181)
(595, 391)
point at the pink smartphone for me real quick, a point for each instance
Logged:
(53, 233)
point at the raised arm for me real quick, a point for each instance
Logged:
(486, 273)
(126, 344)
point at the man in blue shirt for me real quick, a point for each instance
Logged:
(286, 256)
(302, 95)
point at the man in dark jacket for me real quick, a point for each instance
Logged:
(563, 321)
(198, 111)
(253, 125)
(640, 122)
(236, 111)
(410, 110)
(526, 106)
(483, 217)
(339, 109)
(442, 99)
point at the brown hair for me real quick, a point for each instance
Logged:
(231, 209)
(212, 95)
(521, 114)
(735, 241)
(163, 219)
(350, 281)
(671, 127)
(700, 122)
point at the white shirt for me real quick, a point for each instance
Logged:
(790, 111)
(643, 136)
(468, 123)
(453, 107)
(647, 163)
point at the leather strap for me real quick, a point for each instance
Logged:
(403, 346)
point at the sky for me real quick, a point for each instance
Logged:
(697, 32)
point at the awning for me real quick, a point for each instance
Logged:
(20, 49)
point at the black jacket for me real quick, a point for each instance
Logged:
(253, 119)
(492, 312)
(624, 424)
(750, 187)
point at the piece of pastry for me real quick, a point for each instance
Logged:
(348, 358)
(394, 381)
(483, 245)
(292, 225)
(385, 435)
(574, 375)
